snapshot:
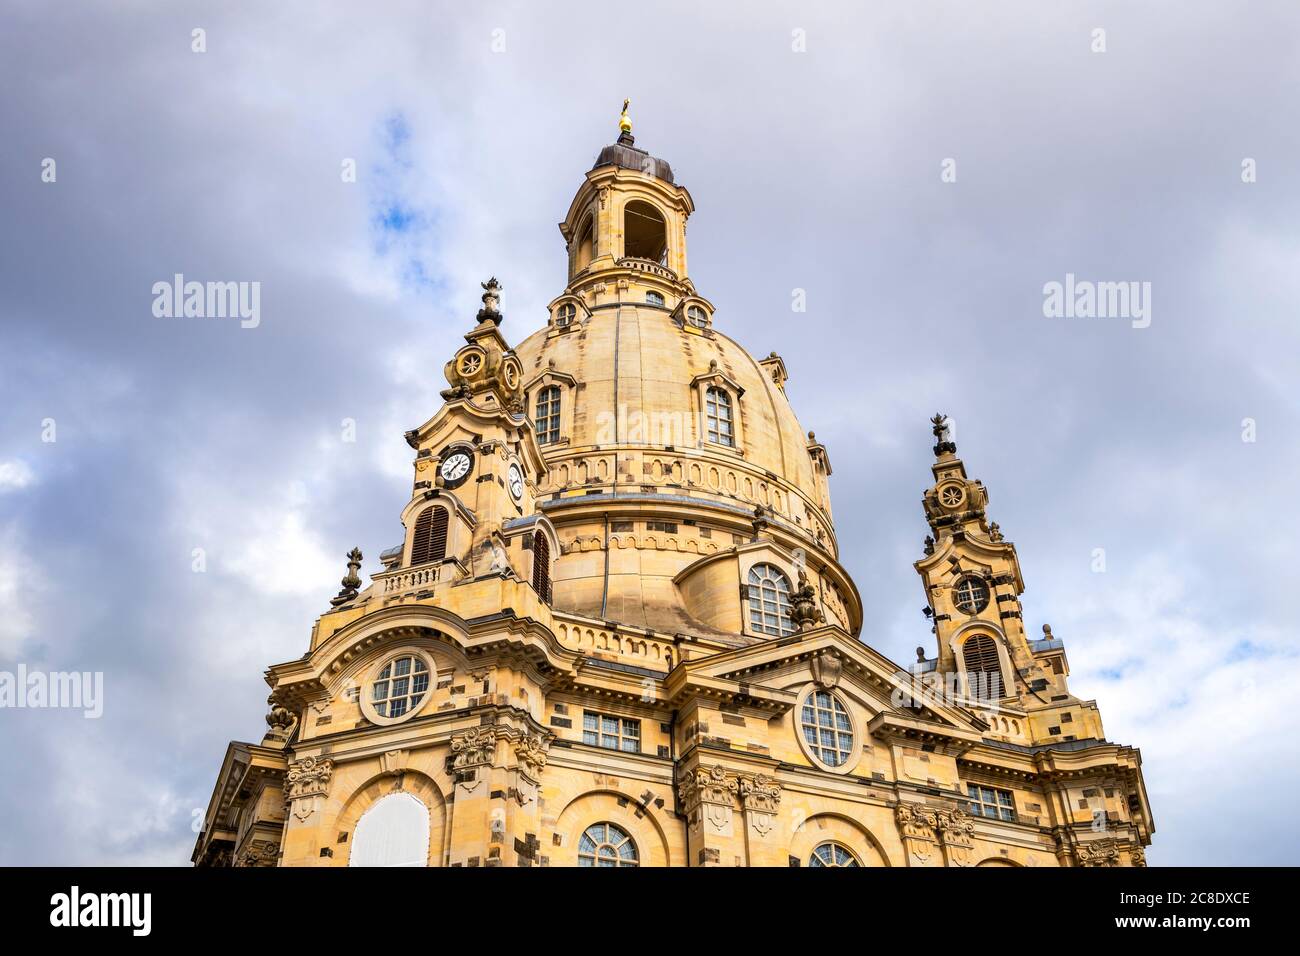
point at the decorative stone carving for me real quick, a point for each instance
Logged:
(394, 762)
(1097, 853)
(759, 793)
(708, 796)
(473, 748)
(307, 781)
(917, 826)
(309, 777)
(942, 436)
(1137, 856)
(804, 610)
(280, 722)
(759, 798)
(530, 751)
(957, 834)
(259, 853)
(491, 299)
(826, 669)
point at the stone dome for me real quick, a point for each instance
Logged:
(675, 468)
(641, 361)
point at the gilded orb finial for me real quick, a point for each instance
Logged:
(625, 121)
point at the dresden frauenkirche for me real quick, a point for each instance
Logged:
(617, 631)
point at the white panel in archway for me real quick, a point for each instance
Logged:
(394, 832)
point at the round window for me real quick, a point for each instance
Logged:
(971, 595)
(398, 688)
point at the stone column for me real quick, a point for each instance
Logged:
(306, 786)
(478, 834)
(957, 834)
(708, 796)
(760, 797)
(523, 820)
(916, 826)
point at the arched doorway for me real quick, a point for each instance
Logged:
(394, 832)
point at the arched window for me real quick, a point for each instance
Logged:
(832, 854)
(654, 298)
(429, 542)
(400, 686)
(604, 844)
(565, 314)
(394, 832)
(983, 669)
(717, 414)
(826, 727)
(697, 317)
(542, 566)
(547, 418)
(645, 234)
(769, 601)
(586, 249)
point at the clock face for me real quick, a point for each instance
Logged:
(455, 467)
(515, 479)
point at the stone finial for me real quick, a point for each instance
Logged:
(804, 611)
(942, 432)
(491, 300)
(929, 544)
(1047, 632)
(351, 581)
(995, 532)
(280, 722)
(920, 654)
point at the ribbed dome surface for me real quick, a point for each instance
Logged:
(629, 157)
(636, 358)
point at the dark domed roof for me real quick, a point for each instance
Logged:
(624, 154)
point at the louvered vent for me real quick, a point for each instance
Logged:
(980, 655)
(429, 543)
(542, 567)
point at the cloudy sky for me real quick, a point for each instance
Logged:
(814, 142)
